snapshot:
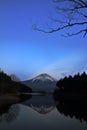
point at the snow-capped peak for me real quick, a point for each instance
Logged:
(42, 82)
(43, 77)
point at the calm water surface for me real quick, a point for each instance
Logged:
(42, 113)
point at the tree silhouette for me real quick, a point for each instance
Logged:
(72, 88)
(9, 112)
(73, 109)
(71, 16)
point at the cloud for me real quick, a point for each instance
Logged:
(65, 67)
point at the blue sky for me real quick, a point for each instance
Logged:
(26, 52)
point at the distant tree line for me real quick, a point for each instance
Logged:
(72, 88)
(76, 83)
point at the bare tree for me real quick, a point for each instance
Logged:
(71, 16)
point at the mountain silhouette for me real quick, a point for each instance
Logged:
(42, 82)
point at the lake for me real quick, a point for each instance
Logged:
(42, 112)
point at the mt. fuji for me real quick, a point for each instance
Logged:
(42, 82)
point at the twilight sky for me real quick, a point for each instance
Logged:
(26, 52)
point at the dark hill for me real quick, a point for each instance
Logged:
(9, 86)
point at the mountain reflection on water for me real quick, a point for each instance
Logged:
(41, 104)
(43, 113)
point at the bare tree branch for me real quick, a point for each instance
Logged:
(68, 34)
(59, 28)
(71, 13)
